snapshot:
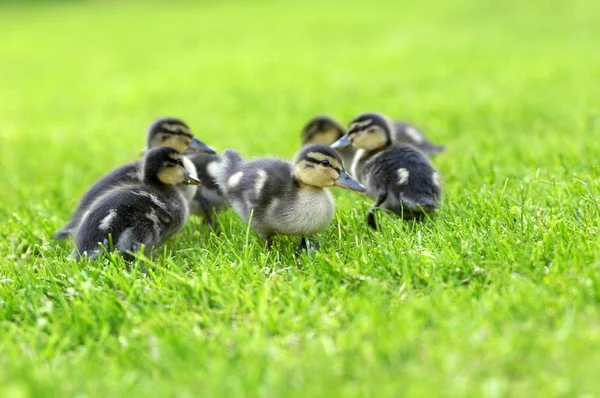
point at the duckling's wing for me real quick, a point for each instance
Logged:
(413, 175)
(256, 184)
(124, 218)
(129, 173)
(206, 165)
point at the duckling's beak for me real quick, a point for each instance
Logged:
(342, 143)
(347, 182)
(188, 179)
(199, 146)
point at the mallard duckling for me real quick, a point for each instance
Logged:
(325, 130)
(279, 197)
(209, 198)
(140, 214)
(170, 132)
(399, 177)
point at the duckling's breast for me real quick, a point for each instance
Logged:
(188, 191)
(307, 213)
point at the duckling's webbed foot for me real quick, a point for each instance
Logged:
(381, 197)
(268, 242)
(307, 245)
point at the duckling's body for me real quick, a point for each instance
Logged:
(403, 175)
(399, 177)
(141, 214)
(209, 198)
(325, 130)
(164, 132)
(278, 197)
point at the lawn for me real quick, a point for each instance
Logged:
(499, 296)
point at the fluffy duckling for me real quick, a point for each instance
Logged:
(325, 130)
(209, 198)
(399, 177)
(278, 197)
(169, 132)
(140, 214)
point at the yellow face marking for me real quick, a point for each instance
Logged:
(178, 142)
(171, 175)
(370, 139)
(360, 124)
(176, 127)
(175, 156)
(325, 137)
(308, 173)
(321, 156)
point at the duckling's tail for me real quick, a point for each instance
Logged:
(229, 164)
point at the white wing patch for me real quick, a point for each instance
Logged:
(125, 240)
(106, 221)
(436, 179)
(414, 134)
(213, 168)
(235, 179)
(261, 179)
(152, 216)
(153, 198)
(403, 175)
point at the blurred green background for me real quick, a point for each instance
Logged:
(499, 297)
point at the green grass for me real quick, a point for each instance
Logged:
(500, 296)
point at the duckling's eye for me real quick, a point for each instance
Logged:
(325, 163)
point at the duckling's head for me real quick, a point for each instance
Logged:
(320, 166)
(369, 131)
(164, 166)
(174, 133)
(322, 129)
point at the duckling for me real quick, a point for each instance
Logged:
(399, 177)
(325, 130)
(278, 197)
(209, 198)
(139, 214)
(168, 131)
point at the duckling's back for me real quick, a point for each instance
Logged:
(126, 174)
(131, 216)
(406, 173)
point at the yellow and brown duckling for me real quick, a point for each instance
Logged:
(209, 198)
(400, 178)
(325, 130)
(141, 214)
(170, 132)
(278, 197)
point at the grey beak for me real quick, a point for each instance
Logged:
(199, 146)
(347, 182)
(190, 180)
(342, 143)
